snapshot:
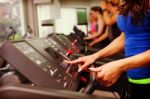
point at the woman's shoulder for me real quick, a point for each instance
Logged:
(121, 18)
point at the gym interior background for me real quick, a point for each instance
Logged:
(45, 16)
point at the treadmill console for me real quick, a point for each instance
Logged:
(40, 64)
(53, 54)
(65, 46)
(35, 57)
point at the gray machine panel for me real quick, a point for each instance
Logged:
(56, 57)
(35, 67)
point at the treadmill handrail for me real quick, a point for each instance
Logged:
(31, 92)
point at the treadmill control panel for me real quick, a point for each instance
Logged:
(35, 57)
(51, 52)
(63, 44)
(40, 64)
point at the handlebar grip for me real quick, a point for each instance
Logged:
(92, 85)
(90, 88)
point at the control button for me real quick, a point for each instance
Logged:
(52, 72)
(65, 84)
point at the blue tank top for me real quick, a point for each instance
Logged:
(137, 40)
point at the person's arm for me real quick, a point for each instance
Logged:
(136, 61)
(100, 38)
(115, 47)
(110, 72)
(101, 26)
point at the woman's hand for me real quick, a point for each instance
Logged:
(109, 73)
(83, 61)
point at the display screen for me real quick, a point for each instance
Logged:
(56, 56)
(47, 46)
(35, 57)
(2, 62)
(52, 53)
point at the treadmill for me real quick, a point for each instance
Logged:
(48, 77)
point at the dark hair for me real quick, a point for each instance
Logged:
(137, 9)
(97, 9)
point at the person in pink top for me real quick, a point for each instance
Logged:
(97, 28)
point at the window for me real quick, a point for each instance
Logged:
(46, 14)
(69, 18)
(67, 21)
(82, 16)
(10, 16)
(82, 19)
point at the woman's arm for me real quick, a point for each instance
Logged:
(110, 72)
(113, 48)
(136, 61)
(100, 38)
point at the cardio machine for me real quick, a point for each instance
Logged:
(35, 73)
